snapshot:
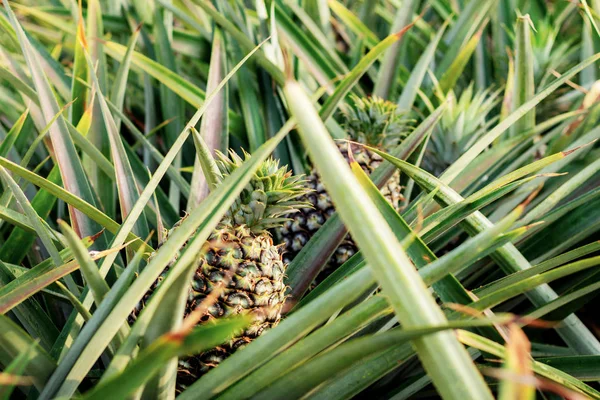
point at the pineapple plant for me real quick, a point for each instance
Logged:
(242, 257)
(368, 121)
(463, 122)
(99, 106)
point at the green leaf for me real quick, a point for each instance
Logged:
(538, 269)
(80, 71)
(524, 86)
(171, 296)
(390, 264)
(354, 23)
(305, 266)
(203, 220)
(166, 347)
(36, 279)
(583, 368)
(119, 86)
(13, 134)
(347, 324)
(126, 184)
(357, 72)
(385, 85)
(16, 368)
(507, 257)
(87, 265)
(114, 295)
(455, 70)
(412, 86)
(290, 330)
(251, 104)
(494, 298)
(546, 371)
(18, 271)
(576, 181)
(362, 375)
(172, 172)
(213, 127)
(33, 147)
(170, 104)
(14, 342)
(564, 301)
(81, 205)
(313, 54)
(443, 220)
(72, 173)
(185, 89)
(316, 16)
(16, 218)
(39, 227)
(475, 248)
(246, 44)
(31, 315)
(449, 290)
(469, 21)
(207, 162)
(98, 133)
(454, 170)
(78, 135)
(588, 13)
(556, 167)
(302, 380)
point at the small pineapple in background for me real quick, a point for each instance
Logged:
(550, 53)
(371, 121)
(462, 123)
(241, 253)
(554, 52)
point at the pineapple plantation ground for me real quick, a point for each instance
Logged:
(281, 199)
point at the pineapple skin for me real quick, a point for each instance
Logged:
(297, 231)
(253, 269)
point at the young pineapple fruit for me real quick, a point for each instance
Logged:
(241, 253)
(463, 122)
(371, 121)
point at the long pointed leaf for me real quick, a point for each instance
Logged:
(72, 173)
(390, 264)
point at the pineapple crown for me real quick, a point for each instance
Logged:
(464, 118)
(271, 195)
(463, 122)
(374, 121)
(551, 52)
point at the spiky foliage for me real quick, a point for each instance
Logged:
(371, 121)
(374, 121)
(549, 52)
(63, 309)
(241, 260)
(272, 194)
(463, 122)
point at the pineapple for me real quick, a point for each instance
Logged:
(462, 123)
(241, 253)
(371, 121)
